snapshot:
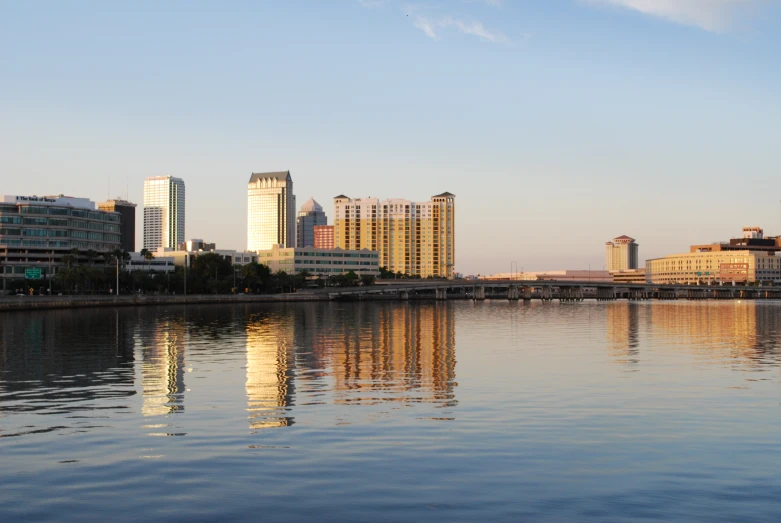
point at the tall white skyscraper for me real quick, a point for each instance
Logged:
(163, 212)
(271, 211)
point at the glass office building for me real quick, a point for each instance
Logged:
(271, 211)
(37, 232)
(310, 215)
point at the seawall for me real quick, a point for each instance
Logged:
(22, 303)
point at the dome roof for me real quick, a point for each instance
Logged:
(311, 206)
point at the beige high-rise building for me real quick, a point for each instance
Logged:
(271, 211)
(621, 254)
(415, 238)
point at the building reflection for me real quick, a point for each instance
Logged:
(163, 367)
(269, 382)
(65, 359)
(735, 329)
(352, 353)
(396, 353)
(623, 326)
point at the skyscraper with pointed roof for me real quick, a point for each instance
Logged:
(271, 211)
(310, 214)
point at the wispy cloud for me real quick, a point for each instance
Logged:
(430, 18)
(710, 15)
(434, 27)
(426, 26)
(475, 29)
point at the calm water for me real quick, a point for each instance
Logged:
(391, 411)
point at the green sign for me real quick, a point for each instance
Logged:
(32, 274)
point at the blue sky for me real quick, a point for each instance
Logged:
(559, 124)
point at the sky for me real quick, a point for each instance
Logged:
(558, 124)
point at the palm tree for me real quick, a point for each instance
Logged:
(148, 256)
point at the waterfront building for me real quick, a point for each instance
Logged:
(163, 212)
(741, 266)
(156, 264)
(629, 276)
(320, 262)
(324, 236)
(571, 275)
(51, 231)
(309, 216)
(415, 238)
(182, 256)
(747, 259)
(621, 254)
(753, 239)
(127, 222)
(271, 208)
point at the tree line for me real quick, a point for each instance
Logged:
(90, 272)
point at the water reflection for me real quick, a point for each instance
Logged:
(269, 385)
(163, 366)
(396, 354)
(747, 331)
(50, 361)
(623, 331)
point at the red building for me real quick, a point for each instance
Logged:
(324, 236)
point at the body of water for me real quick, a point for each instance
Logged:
(392, 411)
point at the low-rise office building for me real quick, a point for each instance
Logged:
(179, 256)
(52, 231)
(718, 266)
(565, 275)
(629, 276)
(137, 262)
(320, 262)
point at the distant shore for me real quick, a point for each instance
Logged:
(23, 303)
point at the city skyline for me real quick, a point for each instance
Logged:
(582, 115)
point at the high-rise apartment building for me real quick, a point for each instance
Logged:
(621, 254)
(324, 236)
(309, 216)
(271, 211)
(163, 212)
(415, 238)
(127, 225)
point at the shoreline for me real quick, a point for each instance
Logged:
(32, 303)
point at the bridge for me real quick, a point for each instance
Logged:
(546, 290)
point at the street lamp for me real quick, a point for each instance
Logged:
(512, 275)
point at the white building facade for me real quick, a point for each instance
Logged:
(271, 211)
(164, 199)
